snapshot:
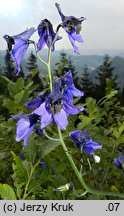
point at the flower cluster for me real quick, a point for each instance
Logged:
(48, 107)
(18, 44)
(56, 104)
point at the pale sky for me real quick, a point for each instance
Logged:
(103, 29)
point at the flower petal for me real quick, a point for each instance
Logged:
(76, 92)
(94, 145)
(89, 150)
(20, 46)
(91, 146)
(70, 108)
(73, 44)
(76, 37)
(76, 136)
(22, 129)
(41, 43)
(27, 135)
(34, 103)
(60, 12)
(68, 78)
(40, 110)
(68, 94)
(24, 35)
(18, 53)
(46, 119)
(61, 119)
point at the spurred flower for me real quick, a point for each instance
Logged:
(56, 108)
(18, 44)
(84, 141)
(46, 34)
(25, 126)
(72, 26)
(119, 162)
(68, 87)
(34, 103)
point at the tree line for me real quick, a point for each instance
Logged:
(91, 88)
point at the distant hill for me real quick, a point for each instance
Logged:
(79, 61)
(118, 64)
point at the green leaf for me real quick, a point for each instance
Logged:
(6, 79)
(10, 105)
(116, 134)
(112, 94)
(30, 150)
(34, 72)
(7, 193)
(91, 104)
(85, 121)
(19, 169)
(18, 97)
(121, 128)
(12, 89)
(4, 155)
(47, 146)
(20, 84)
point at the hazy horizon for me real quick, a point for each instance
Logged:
(103, 28)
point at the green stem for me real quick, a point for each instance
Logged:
(80, 178)
(40, 59)
(49, 68)
(29, 179)
(49, 60)
(53, 139)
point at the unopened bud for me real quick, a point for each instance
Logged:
(96, 158)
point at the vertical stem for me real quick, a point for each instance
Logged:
(30, 176)
(49, 68)
(71, 161)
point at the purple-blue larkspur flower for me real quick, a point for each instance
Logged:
(119, 162)
(47, 35)
(84, 141)
(25, 126)
(22, 156)
(56, 108)
(43, 165)
(35, 103)
(72, 26)
(18, 44)
(68, 87)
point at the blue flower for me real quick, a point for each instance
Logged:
(22, 156)
(119, 162)
(68, 87)
(18, 44)
(72, 26)
(46, 34)
(56, 108)
(35, 103)
(25, 126)
(84, 141)
(43, 165)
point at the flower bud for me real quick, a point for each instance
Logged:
(96, 158)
